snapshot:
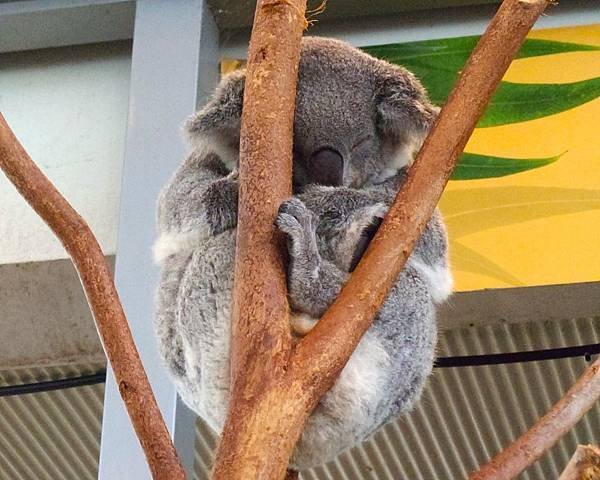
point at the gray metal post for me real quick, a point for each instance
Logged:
(174, 64)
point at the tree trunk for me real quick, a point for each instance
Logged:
(275, 386)
(258, 421)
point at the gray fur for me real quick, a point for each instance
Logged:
(372, 116)
(372, 113)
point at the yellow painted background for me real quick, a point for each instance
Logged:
(542, 226)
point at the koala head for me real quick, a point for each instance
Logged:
(345, 242)
(357, 119)
(345, 223)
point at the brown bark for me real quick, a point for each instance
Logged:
(324, 351)
(281, 384)
(261, 339)
(547, 431)
(103, 299)
(584, 464)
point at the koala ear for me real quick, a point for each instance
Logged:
(404, 116)
(219, 120)
(403, 108)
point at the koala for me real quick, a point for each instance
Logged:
(357, 124)
(328, 229)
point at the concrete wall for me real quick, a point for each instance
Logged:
(68, 106)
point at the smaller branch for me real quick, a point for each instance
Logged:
(584, 465)
(95, 276)
(322, 353)
(547, 431)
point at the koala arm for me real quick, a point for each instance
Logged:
(430, 255)
(313, 282)
(201, 195)
(318, 269)
(199, 202)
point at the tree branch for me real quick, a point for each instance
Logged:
(95, 276)
(547, 431)
(325, 350)
(261, 337)
(584, 464)
(281, 385)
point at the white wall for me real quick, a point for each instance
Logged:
(68, 106)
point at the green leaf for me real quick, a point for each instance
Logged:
(452, 53)
(533, 47)
(519, 102)
(473, 166)
(437, 64)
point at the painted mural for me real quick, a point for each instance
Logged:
(523, 206)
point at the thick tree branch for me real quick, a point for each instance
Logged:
(325, 350)
(95, 276)
(547, 431)
(261, 338)
(281, 385)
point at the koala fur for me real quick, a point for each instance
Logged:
(357, 124)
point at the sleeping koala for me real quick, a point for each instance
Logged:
(358, 122)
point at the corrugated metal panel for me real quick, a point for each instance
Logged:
(467, 414)
(50, 435)
(206, 441)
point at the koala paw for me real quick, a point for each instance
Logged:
(294, 218)
(296, 221)
(220, 202)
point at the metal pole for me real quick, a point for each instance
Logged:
(174, 64)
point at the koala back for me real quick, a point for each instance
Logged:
(193, 325)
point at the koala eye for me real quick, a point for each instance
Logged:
(364, 241)
(361, 142)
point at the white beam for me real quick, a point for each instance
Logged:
(174, 60)
(422, 25)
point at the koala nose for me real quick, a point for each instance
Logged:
(326, 167)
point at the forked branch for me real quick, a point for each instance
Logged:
(282, 384)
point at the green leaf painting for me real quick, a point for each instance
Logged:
(473, 166)
(438, 63)
(519, 102)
